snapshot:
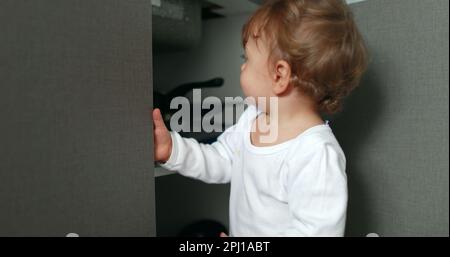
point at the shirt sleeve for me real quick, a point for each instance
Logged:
(317, 193)
(210, 163)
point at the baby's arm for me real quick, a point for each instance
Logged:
(317, 193)
(208, 163)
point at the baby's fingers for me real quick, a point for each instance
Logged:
(157, 119)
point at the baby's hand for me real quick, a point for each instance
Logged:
(162, 138)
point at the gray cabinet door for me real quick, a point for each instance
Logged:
(75, 127)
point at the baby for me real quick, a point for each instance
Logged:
(308, 55)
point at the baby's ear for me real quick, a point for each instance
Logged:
(282, 77)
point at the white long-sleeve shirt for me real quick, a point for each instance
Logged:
(296, 188)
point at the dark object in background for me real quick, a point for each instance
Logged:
(203, 228)
(177, 25)
(162, 101)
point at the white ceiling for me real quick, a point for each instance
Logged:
(354, 1)
(236, 7)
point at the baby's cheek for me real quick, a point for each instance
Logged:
(244, 82)
(246, 85)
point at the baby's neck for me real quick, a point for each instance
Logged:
(297, 112)
(291, 120)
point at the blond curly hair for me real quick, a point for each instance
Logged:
(320, 41)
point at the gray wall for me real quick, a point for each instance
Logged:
(394, 128)
(76, 134)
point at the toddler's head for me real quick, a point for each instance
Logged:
(312, 46)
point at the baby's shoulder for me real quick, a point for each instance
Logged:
(245, 119)
(320, 140)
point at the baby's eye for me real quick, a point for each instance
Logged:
(244, 57)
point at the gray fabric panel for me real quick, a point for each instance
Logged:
(76, 134)
(394, 128)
